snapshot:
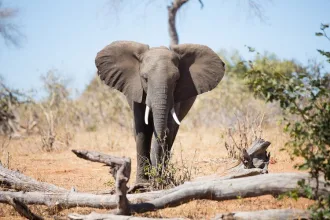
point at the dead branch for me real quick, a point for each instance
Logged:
(257, 9)
(62, 200)
(266, 214)
(216, 188)
(97, 216)
(219, 190)
(172, 10)
(255, 157)
(9, 31)
(120, 168)
(201, 3)
(16, 180)
(273, 184)
(22, 209)
(94, 156)
(232, 175)
(262, 214)
(122, 177)
(9, 116)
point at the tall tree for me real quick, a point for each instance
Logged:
(255, 8)
(9, 31)
(9, 99)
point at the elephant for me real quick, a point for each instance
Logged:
(160, 85)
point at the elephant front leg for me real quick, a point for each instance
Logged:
(143, 135)
(161, 152)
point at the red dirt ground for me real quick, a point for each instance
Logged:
(203, 150)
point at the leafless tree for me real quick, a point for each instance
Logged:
(9, 31)
(10, 99)
(255, 8)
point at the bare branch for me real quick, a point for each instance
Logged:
(201, 3)
(9, 31)
(120, 168)
(215, 189)
(22, 209)
(267, 214)
(97, 216)
(257, 9)
(172, 10)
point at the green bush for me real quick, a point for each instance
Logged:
(304, 97)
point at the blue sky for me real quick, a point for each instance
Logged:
(66, 34)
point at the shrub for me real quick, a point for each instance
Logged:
(304, 97)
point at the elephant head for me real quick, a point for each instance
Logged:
(159, 77)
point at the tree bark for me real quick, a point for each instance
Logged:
(94, 156)
(122, 177)
(273, 184)
(232, 174)
(172, 10)
(218, 190)
(22, 209)
(266, 214)
(15, 180)
(97, 216)
(262, 214)
(120, 168)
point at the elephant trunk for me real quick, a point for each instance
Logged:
(160, 110)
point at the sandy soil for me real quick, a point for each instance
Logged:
(203, 150)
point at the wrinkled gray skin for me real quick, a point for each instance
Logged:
(161, 79)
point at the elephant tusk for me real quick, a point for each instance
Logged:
(146, 115)
(175, 117)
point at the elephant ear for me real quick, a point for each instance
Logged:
(118, 66)
(200, 68)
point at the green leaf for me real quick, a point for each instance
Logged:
(251, 49)
(324, 26)
(318, 34)
(303, 167)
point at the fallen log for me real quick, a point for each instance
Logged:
(122, 173)
(266, 214)
(15, 180)
(273, 184)
(260, 214)
(98, 216)
(94, 156)
(255, 156)
(232, 175)
(120, 168)
(22, 209)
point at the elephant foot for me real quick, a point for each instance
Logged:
(139, 188)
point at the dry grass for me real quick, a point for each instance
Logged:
(100, 120)
(202, 148)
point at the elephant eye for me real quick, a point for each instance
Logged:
(144, 76)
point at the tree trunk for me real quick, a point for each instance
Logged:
(172, 10)
(219, 190)
(97, 216)
(266, 214)
(22, 209)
